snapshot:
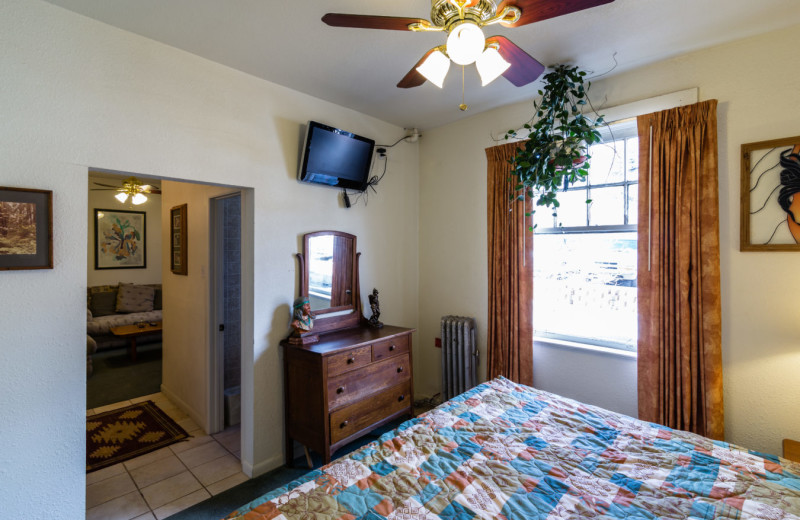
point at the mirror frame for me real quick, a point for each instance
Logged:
(323, 323)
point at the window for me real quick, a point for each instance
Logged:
(585, 254)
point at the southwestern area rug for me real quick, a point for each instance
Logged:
(125, 433)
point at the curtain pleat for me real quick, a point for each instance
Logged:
(680, 346)
(510, 329)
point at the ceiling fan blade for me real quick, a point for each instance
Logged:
(106, 185)
(524, 68)
(414, 78)
(103, 189)
(146, 188)
(538, 10)
(365, 21)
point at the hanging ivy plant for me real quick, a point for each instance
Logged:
(556, 153)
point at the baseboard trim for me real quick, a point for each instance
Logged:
(256, 470)
(180, 403)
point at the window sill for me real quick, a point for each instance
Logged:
(584, 346)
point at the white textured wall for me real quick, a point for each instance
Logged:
(77, 93)
(757, 84)
(152, 209)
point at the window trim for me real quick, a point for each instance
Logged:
(568, 343)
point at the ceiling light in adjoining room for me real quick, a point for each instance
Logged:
(139, 198)
(435, 68)
(465, 43)
(490, 65)
(122, 197)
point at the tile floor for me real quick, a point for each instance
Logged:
(163, 482)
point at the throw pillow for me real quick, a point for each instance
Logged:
(103, 303)
(135, 298)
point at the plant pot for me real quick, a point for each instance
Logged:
(576, 163)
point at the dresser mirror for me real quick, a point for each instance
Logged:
(329, 278)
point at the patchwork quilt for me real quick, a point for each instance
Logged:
(507, 451)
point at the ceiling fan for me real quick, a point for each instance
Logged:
(131, 187)
(466, 44)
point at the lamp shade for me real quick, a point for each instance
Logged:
(121, 196)
(490, 65)
(465, 43)
(435, 68)
(139, 198)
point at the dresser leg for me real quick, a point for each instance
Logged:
(289, 452)
(326, 456)
(308, 458)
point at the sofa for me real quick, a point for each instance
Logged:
(123, 304)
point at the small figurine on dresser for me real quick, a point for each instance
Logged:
(375, 307)
(302, 322)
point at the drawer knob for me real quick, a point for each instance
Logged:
(401, 398)
(344, 424)
(351, 360)
(391, 348)
(399, 369)
(340, 390)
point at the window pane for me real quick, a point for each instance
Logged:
(632, 158)
(585, 287)
(608, 206)
(607, 165)
(633, 204)
(542, 217)
(572, 211)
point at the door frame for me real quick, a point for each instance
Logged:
(216, 365)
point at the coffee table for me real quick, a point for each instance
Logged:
(134, 331)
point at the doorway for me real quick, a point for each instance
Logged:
(226, 264)
(124, 337)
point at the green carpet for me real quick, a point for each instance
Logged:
(221, 505)
(116, 378)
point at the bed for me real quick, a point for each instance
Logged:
(508, 451)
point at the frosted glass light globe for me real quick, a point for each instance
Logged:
(465, 43)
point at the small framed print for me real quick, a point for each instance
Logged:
(770, 195)
(178, 243)
(26, 229)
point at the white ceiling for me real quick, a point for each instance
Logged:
(286, 43)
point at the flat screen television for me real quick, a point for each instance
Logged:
(336, 158)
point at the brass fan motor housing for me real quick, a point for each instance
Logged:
(446, 14)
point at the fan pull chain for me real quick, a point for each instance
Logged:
(463, 106)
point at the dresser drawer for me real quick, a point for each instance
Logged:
(353, 386)
(349, 360)
(390, 347)
(359, 415)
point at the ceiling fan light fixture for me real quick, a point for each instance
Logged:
(121, 196)
(465, 43)
(139, 198)
(490, 65)
(435, 68)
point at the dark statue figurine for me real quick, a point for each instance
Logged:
(375, 307)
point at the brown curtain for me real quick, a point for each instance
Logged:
(680, 347)
(510, 331)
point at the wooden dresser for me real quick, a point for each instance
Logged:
(345, 385)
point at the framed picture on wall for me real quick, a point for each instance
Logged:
(120, 239)
(26, 229)
(178, 240)
(770, 195)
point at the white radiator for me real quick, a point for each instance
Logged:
(459, 355)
